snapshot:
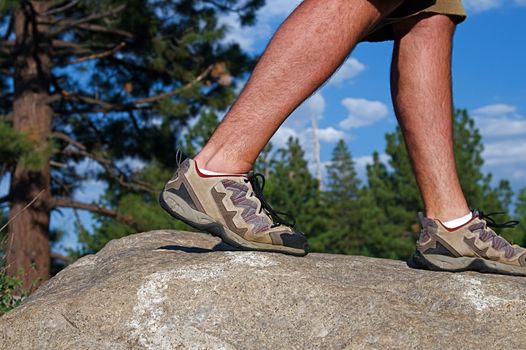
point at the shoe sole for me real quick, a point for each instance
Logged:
(179, 209)
(438, 262)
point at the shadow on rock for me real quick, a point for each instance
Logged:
(220, 247)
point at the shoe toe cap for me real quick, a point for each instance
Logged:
(294, 240)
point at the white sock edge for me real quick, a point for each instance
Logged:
(213, 173)
(459, 221)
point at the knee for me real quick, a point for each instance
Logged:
(426, 27)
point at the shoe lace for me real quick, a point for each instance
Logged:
(257, 180)
(492, 223)
(487, 233)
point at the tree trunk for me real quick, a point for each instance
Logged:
(28, 238)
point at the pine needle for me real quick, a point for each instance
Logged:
(21, 210)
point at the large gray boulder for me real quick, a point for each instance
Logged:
(181, 290)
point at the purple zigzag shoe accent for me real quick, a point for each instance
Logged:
(250, 207)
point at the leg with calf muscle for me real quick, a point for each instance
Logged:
(304, 52)
(421, 90)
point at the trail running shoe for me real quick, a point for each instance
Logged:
(473, 246)
(232, 208)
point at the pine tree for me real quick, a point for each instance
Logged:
(520, 214)
(342, 180)
(107, 81)
(292, 189)
(341, 202)
(384, 220)
(476, 185)
(468, 155)
(265, 160)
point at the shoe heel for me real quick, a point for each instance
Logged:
(178, 208)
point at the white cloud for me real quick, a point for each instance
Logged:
(499, 127)
(482, 5)
(280, 138)
(362, 112)
(499, 120)
(495, 109)
(503, 130)
(518, 174)
(246, 37)
(315, 105)
(330, 135)
(361, 163)
(300, 122)
(505, 152)
(349, 69)
(301, 118)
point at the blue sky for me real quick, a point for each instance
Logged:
(489, 73)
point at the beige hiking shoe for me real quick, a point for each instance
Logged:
(230, 207)
(473, 246)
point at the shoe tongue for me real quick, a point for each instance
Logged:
(425, 221)
(422, 218)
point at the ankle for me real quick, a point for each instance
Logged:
(220, 164)
(448, 214)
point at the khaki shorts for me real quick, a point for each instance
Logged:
(384, 30)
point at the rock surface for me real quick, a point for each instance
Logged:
(181, 290)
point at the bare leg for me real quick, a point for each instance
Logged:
(304, 52)
(421, 90)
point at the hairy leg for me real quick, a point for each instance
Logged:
(421, 91)
(308, 47)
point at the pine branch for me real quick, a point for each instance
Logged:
(57, 164)
(64, 189)
(135, 124)
(58, 256)
(187, 86)
(13, 218)
(101, 29)
(62, 8)
(67, 48)
(62, 47)
(6, 72)
(6, 46)
(141, 103)
(64, 137)
(99, 54)
(64, 25)
(113, 171)
(60, 44)
(70, 203)
(64, 95)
